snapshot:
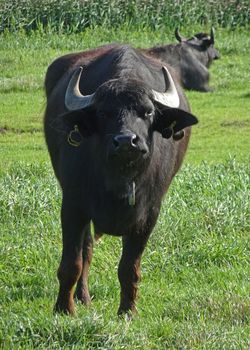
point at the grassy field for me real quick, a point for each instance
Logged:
(223, 114)
(195, 289)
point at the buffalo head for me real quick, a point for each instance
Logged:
(123, 114)
(202, 45)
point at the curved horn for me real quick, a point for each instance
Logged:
(212, 35)
(74, 100)
(178, 36)
(170, 98)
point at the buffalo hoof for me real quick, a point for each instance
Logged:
(61, 308)
(127, 314)
(206, 89)
(82, 297)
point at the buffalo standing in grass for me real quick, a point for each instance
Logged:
(117, 126)
(191, 59)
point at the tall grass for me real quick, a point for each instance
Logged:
(75, 15)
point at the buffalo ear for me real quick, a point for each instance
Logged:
(171, 121)
(206, 42)
(83, 120)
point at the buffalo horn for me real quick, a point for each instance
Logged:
(178, 36)
(74, 100)
(170, 98)
(212, 36)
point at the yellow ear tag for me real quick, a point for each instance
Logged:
(172, 125)
(75, 137)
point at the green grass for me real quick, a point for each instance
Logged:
(223, 114)
(195, 285)
(195, 288)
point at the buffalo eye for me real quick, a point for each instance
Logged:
(149, 113)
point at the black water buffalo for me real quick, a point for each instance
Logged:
(117, 126)
(190, 58)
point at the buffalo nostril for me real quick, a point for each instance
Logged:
(125, 141)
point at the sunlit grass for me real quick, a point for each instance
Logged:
(195, 281)
(223, 127)
(195, 288)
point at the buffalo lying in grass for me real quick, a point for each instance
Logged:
(190, 58)
(117, 126)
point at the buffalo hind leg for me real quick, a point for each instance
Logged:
(129, 271)
(82, 290)
(70, 269)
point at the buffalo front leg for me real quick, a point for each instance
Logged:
(129, 271)
(82, 290)
(70, 269)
